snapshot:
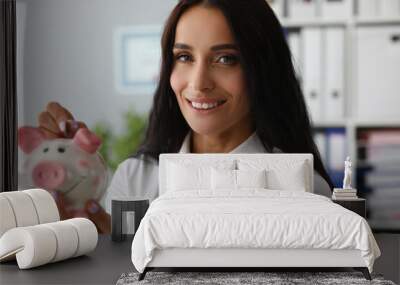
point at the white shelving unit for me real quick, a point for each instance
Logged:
(349, 122)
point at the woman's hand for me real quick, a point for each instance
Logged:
(58, 122)
(92, 211)
(98, 216)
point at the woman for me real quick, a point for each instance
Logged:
(227, 85)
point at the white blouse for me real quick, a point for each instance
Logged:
(136, 177)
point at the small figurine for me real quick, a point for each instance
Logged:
(347, 174)
(347, 192)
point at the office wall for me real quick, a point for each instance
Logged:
(66, 55)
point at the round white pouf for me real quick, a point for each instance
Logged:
(67, 240)
(23, 208)
(45, 205)
(26, 208)
(33, 246)
(7, 218)
(87, 234)
(40, 244)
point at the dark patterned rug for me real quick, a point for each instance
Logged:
(229, 278)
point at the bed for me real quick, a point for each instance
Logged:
(246, 211)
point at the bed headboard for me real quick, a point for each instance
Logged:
(283, 164)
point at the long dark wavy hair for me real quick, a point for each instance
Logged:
(277, 105)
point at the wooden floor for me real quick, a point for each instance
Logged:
(389, 262)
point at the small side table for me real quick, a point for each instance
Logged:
(356, 205)
(118, 206)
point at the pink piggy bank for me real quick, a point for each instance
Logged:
(71, 166)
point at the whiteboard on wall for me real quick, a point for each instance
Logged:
(137, 57)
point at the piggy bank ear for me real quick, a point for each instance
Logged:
(87, 140)
(30, 138)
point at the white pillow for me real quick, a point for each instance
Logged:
(181, 177)
(237, 179)
(281, 174)
(223, 179)
(189, 176)
(292, 179)
(251, 178)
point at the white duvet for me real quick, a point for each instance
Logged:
(252, 218)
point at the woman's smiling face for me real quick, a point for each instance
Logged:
(207, 77)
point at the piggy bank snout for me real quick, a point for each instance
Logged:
(49, 175)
